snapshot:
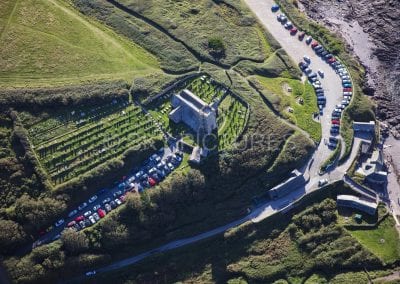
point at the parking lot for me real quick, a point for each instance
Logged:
(155, 169)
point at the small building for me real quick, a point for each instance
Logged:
(197, 155)
(295, 180)
(374, 169)
(194, 112)
(365, 148)
(364, 126)
(355, 202)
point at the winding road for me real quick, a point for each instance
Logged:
(333, 91)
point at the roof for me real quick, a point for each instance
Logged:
(192, 99)
(358, 200)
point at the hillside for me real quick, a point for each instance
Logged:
(53, 44)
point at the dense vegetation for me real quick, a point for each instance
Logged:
(309, 246)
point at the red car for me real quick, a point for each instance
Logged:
(293, 31)
(70, 224)
(347, 90)
(79, 218)
(152, 182)
(331, 60)
(314, 44)
(302, 35)
(101, 213)
(336, 121)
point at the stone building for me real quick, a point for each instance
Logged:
(194, 112)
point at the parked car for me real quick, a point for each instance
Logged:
(82, 206)
(77, 227)
(92, 199)
(321, 73)
(92, 220)
(108, 199)
(59, 222)
(331, 60)
(307, 59)
(336, 121)
(301, 36)
(107, 207)
(308, 40)
(96, 216)
(275, 8)
(101, 213)
(82, 224)
(331, 145)
(307, 70)
(117, 201)
(288, 25)
(117, 193)
(293, 31)
(170, 166)
(72, 213)
(322, 182)
(312, 75)
(113, 204)
(152, 182)
(90, 273)
(314, 44)
(122, 198)
(96, 207)
(328, 56)
(87, 213)
(334, 131)
(333, 140)
(70, 224)
(79, 218)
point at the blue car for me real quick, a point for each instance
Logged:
(275, 8)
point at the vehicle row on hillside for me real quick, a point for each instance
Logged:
(154, 170)
(330, 59)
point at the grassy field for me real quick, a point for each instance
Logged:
(206, 19)
(298, 104)
(54, 44)
(382, 241)
(75, 141)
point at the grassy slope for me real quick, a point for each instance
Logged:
(389, 250)
(52, 43)
(281, 99)
(261, 253)
(205, 19)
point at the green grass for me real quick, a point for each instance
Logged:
(74, 142)
(383, 241)
(195, 22)
(288, 103)
(53, 44)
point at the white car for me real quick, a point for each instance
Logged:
(307, 59)
(118, 201)
(92, 199)
(322, 182)
(92, 220)
(59, 222)
(87, 213)
(90, 273)
(321, 73)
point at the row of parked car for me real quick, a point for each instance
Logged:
(330, 59)
(341, 70)
(154, 170)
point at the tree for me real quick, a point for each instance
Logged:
(216, 46)
(11, 235)
(74, 242)
(38, 213)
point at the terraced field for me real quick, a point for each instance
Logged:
(52, 44)
(75, 142)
